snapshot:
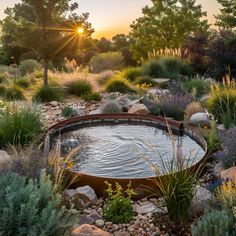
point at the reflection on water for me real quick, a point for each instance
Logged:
(125, 151)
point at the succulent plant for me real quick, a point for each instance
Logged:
(111, 107)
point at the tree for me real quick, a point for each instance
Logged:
(227, 18)
(166, 24)
(51, 31)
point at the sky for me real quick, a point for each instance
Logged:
(110, 17)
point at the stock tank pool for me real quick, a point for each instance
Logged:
(127, 151)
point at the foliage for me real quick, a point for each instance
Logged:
(48, 94)
(8, 70)
(80, 87)
(3, 77)
(166, 24)
(174, 105)
(227, 17)
(27, 28)
(68, 112)
(175, 67)
(118, 206)
(212, 138)
(111, 107)
(14, 92)
(28, 66)
(145, 80)
(152, 104)
(178, 187)
(19, 125)
(104, 76)
(92, 97)
(106, 61)
(228, 142)
(154, 69)
(214, 222)
(2, 91)
(22, 82)
(222, 102)
(196, 86)
(132, 73)
(193, 108)
(117, 84)
(222, 54)
(31, 207)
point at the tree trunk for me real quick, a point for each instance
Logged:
(45, 74)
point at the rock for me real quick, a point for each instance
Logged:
(5, 160)
(83, 219)
(95, 216)
(145, 207)
(229, 174)
(121, 233)
(139, 109)
(86, 194)
(99, 223)
(95, 112)
(54, 103)
(202, 197)
(89, 230)
(218, 169)
(124, 103)
(79, 112)
(221, 127)
(200, 119)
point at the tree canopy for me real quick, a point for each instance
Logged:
(166, 24)
(227, 18)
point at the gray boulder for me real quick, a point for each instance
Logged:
(140, 109)
(200, 119)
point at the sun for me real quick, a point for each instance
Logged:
(80, 30)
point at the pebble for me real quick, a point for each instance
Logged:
(99, 223)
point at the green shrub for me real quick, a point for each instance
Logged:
(132, 73)
(214, 222)
(48, 94)
(31, 207)
(38, 74)
(91, 97)
(14, 93)
(2, 91)
(222, 104)
(196, 87)
(3, 77)
(111, 107)
(19, 125)
(118, 206)
(80, 87)
(68, 112)
(22, 82)
(175, 66)
(145, 80)
(8, 70)
(154, 69)
(106, 61)
(29, 66)
(212, 138)
(118, 85)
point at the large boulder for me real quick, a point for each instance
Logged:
(79, 111)
(96, 112)
(200, 119)
(124, 102)
(140, 109)
(229, 174)
(202, 197)
(89, 230)
(5, 160)
(81, 197)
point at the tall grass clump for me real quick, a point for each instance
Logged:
(29, 66)
(14, 92)
(118, 84)
(154, 69)
(32, 207)
(193, 108)
(132, 73)
(80, 87)
(222, 102)
(19, 125)
(177, 184)
(22, 82)
(104, 76)
(48, 94)
(106, 61)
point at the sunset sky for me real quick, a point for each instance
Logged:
(110, 17)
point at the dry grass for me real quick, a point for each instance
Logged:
(193, 108)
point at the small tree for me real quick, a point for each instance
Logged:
(227, 18)
(52, 32)
(166, 24)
